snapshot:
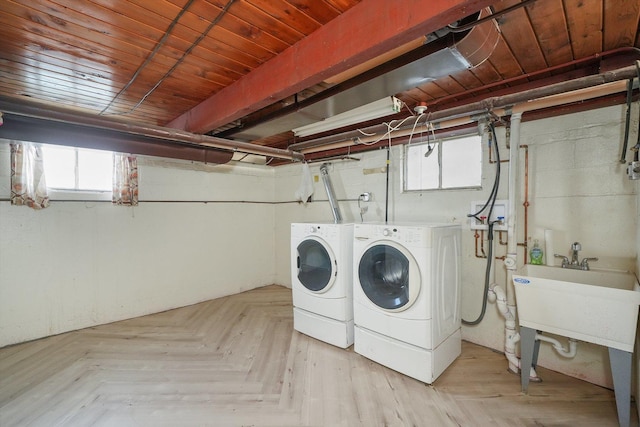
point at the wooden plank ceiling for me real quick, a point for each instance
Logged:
(160, 62)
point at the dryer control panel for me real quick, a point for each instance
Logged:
(402, 234)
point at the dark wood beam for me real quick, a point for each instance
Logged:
(363, 32)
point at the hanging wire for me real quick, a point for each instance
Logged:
(213, 23)
(151, 55)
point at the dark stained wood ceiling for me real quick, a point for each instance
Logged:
(155, 61)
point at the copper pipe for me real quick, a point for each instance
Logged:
(476, 236)
(500, 233)
(481, 238)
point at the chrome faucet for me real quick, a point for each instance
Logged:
(575, 248)
(575, 263)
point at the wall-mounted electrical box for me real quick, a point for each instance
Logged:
(499, 214)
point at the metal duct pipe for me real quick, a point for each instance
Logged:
(28, 109)
(331, 195)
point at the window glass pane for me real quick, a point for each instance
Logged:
(462, 162)
(95, 169)
(59, 166)
(422, 173)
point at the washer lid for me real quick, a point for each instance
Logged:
(316, 265)
(389, 276)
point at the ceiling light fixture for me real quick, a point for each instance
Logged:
(381, 108)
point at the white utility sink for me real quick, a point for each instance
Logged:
(600, 307)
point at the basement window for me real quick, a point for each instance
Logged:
(443, 164)
(73, 170)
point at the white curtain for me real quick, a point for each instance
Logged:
(28, 184)
(125, 180)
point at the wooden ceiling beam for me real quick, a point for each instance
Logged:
(365, 31)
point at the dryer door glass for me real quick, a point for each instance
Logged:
(384, 276)
(314, 265)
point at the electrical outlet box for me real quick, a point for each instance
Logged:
(500, 213)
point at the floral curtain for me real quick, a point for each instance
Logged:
(125, 180)
(28, 184)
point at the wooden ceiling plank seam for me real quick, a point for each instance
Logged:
(621, 23)
(286, 13)
(179, 44)
(449, 85)
(89, 27)
(19, 86)
(242, 29)
(27, 66)
(246, 12)
(178, 40)
(504, 60)
(319, 11)
(361, 33)
(228, 6)
(106, 63)
(60, 92)
(108, 22)
(486, 73)
(87, 53)
(549, 24)
(177, 87)
(518, 34)
(341, 6)
(67, 43)
(55, 83)
(34, 70)
(585, 21)
(467, 79)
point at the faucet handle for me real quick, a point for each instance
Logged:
(585, 262)
(565, 260)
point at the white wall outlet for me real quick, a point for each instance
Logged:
(500, 214)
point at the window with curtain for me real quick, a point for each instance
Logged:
(71, 174)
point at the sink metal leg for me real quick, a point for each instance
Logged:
(528, 354)
(621, 371)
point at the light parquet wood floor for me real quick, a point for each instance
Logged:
(237, 361)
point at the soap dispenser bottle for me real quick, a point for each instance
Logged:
(535, 253)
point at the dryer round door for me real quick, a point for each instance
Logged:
(316, 265)
(389, 276)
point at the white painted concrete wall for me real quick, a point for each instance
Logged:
(79, 264)
(576, 185)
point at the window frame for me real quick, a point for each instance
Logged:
(76, 193)
(438, 142)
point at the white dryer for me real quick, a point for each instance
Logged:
(321, 279)
(407, 296)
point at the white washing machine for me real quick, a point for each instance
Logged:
(407, 296)
(321, 279)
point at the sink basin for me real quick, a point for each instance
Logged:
(600, 307)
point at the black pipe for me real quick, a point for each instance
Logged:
(623, 156)
(490, 202)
